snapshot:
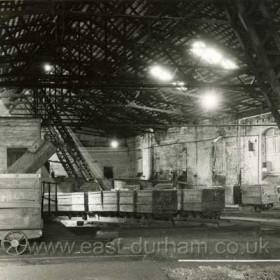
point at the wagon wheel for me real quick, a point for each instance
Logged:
(14, 243)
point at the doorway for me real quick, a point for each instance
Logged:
(108, 172)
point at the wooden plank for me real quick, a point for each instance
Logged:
(26, 218)
(127, 197)
(110, 200)
(19, 193)
(10, 198)
(67, 198)
(110, 207)
(95, 207)
(127, 208)
(109, 193)
(20, 176)
(94, 194)
(126, 200)
(20, 205)
(144, 208)
(110, 197)
(95, 197)
(133, 187)
(192, 207)
(144, 200)
(95, 201)
(192, 195)
(17, 181)
(144, 193)
(66, 208)
(66, 202)
(126, 193)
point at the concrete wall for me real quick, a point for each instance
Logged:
(16, 133)
(108, 157)
(208, 155)
(212, 155)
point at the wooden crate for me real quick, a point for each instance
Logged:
(67, 198)
(65, 208)
(69, 202)
(206, 199)
(258, 194)
(110, 197)
(156, 201)
(95, 207)
(110, 201)
(95, 201)
(95, 198)
(144, 201)
(110, 207)
(106, 201)
(127, 201)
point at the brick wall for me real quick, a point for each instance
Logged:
(17, 133)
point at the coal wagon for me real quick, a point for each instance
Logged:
(20, 211)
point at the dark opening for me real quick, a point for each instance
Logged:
(13, 154)
(108, 172)
(251, 146)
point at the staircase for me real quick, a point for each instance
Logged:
(67, 150)
(74, 158)
(64, 156)
(68, 153)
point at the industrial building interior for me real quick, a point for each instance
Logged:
(139, 139)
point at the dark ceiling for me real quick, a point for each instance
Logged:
(101, 52)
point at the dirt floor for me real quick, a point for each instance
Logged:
(236, 250)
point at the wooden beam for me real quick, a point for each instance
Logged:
(273, 93)
(34, 158)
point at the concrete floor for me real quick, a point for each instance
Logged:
(165, 245)
(119, 270)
